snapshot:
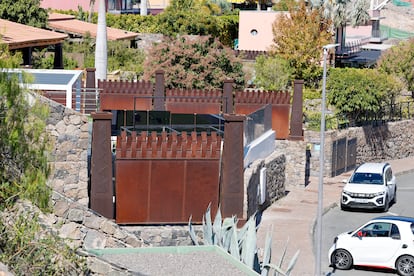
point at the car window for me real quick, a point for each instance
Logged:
(395, 233)
(366, 178)
(388, 175)
(377, 229)
(412, 228)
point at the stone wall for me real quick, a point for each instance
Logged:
(285, 167)
(82, 229)
(70, 137)
(380, 143)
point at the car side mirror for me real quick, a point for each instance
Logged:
(344, 181)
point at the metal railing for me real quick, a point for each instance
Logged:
(84, 100)
(387, 113)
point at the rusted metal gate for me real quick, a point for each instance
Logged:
(351, 154)
(343, 155)
(166, 178)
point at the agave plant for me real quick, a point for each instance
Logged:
(241, 243)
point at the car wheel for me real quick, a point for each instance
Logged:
(341, 259)
(405, 265)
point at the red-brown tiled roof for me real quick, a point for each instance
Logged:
(19, 36)
(70, 25)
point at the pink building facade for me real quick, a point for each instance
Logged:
(255, 29)
(68, 5)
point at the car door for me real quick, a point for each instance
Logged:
(374, 245)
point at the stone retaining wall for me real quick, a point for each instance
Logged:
(385, 142)
(70, 136)
(285, 167)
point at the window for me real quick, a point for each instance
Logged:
(367, 178)
(388, 175)
(379, 229)
(395, 233)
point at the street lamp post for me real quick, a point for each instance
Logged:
(321, 166)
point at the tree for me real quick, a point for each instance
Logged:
(272, 73)
(23, 141)
(399, 61)
(298, 38)
(356, 92)
(91, 9)
(339, 13)
(198, 17)
(27, 12)
(199, 62)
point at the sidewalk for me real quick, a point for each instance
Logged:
(292, 218)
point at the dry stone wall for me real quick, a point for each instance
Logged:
(70, 137)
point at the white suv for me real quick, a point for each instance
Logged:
(372, 186)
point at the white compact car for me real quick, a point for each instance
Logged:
(371, 185)
(384, 242)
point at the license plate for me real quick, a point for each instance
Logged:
(361, 200)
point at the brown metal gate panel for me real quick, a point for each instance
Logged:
(124, 102)
(154, 191)
(132, 191)
(202, 187)
(338, 156)
(189, 101)
(351, 154)
(167, 189)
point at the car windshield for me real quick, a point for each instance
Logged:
(366, 178)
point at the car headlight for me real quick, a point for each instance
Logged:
(379, 193)
(347, 193)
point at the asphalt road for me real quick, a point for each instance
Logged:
(336, 221)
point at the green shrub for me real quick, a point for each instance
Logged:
(28, 250)
(24, 145)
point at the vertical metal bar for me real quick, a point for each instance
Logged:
(321, 167)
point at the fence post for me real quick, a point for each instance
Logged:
(228, 96)
(58, 59)
(296, 131)
(90, 78)
(101, 165)
(159, 92)
(232, 182)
